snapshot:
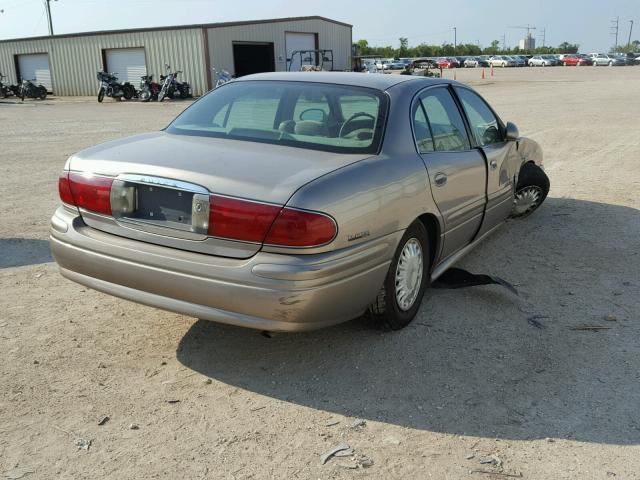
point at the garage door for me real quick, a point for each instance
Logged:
(300, 41)
(36, 67)
(128, 63)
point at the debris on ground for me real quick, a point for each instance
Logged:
(459, 278)
(17, 473)
(358, 461)
(491, 460)
(173, 401)
(208, 381)
(500, 474)
(469, 457)
(331, 422)
(103, 420)
(610, 318)
(592, 328)
(325, 457)
(358, 423)
(534, 322)
(82, 444)
(134, 426)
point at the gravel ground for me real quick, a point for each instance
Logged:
(473, 388)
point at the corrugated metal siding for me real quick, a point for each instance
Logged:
(74, 61)
(330, 36)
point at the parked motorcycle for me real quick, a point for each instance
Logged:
(110, 87)
(5, 90)
(171, 88)
(31, 90)
(149, 89)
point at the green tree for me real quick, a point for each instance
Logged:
(566, 47)
(494, 49)
(404, 46)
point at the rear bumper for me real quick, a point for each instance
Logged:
(267, 291)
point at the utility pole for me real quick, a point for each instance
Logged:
(504, 42)
(614, 29)
(630, 30)
(455, 38)
(47, 4)
(543, 34)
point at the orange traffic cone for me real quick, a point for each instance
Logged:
(482, 74)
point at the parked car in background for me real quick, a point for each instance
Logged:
(575, 60)
(541, 61)
(397, 65)
(475, 62)
(518, 60)
(608, 60)
(501, 61)
(309, 214)
(629, 58)
(448, 62)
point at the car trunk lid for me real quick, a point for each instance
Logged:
(159, 179)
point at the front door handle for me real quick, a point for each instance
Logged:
(440, 179)
(493, 164)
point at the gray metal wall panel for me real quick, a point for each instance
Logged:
(330, 36)
(74, 61)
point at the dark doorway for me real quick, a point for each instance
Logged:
(251, 58)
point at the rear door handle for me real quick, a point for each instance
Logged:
(440, 179)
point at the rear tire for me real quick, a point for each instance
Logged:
(401, 294)
(42, 93)
(531, 191)
(128, 92)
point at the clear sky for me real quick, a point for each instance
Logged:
(382, 22)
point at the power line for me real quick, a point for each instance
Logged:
(543, 34)
(615, 24)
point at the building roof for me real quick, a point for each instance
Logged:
(371, 80)
(182, 27)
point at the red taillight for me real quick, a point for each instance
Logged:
(240, 219)
(252, 221)
(298, 228)
(64, 189)
(86, 191)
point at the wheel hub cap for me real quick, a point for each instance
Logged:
(527, 200)
(409, 274)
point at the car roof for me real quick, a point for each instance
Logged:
(377, 81)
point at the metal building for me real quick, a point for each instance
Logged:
(67, 64)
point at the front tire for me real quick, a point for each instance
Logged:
(100, 95)
(401, 294)
(531, 191)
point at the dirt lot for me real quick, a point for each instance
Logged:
(472, 380)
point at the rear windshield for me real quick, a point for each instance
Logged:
(309, 115)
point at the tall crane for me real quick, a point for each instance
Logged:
(528, 28)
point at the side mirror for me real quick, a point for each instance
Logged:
(512, 132)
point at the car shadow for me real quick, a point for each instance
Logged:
(478, 361)
(17, 252)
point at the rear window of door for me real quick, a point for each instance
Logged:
(484, 124)
(443, 118)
